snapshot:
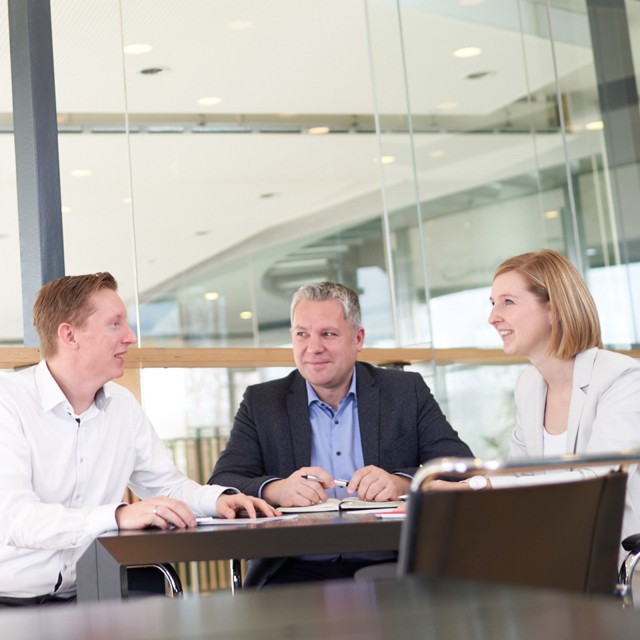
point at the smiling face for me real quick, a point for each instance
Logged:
(103, 340)
(325, 347)
(521, 318)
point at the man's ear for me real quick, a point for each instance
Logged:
(67, 336)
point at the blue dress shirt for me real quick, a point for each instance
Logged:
(335, 436)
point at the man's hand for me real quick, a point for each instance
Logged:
(229, 504)
(296, 491)
(161, 512)
(373, 483)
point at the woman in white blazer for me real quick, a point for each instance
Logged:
(577, 397)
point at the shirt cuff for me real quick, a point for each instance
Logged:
(103, 519)
(264, 484)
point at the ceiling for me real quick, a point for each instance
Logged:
(199, 187)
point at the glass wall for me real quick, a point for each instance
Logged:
(216, 155)
(11, 300)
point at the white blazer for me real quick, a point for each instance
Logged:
(604, 417)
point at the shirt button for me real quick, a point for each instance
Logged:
(338, 453)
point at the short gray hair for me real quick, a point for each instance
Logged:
(321, 291)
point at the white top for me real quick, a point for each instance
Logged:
(61, 480)
(554, 444)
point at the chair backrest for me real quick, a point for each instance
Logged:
(563, 535)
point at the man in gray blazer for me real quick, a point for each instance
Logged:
(332, 418)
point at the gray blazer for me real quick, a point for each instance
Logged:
(401, 426)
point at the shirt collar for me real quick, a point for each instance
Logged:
(51, 395)
(312, 396)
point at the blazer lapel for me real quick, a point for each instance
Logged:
(582, 370)
(299, 424)
(368, 415)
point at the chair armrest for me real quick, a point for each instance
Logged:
(632, 543)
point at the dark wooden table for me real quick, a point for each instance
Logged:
(101, 570)
(340, 610)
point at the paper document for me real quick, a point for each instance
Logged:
(346, 504)
(210, 520)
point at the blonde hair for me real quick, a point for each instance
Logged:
(66, 300)
(550, 276)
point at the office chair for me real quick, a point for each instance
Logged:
(560, 536)
(153, 579)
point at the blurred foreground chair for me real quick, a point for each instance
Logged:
(631, 545)
(153, 579)
(559, 536)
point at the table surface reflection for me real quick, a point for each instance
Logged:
(347, 609)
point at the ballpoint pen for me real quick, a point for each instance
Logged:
(338, 483)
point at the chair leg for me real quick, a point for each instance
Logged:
(158, 578)
(236, 575)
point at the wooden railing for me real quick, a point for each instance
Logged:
(251, 358)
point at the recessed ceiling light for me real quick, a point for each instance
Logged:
(446, 106)
(65, 209)
(467, 52)
(478, 75)
(126, 200)
(467, 226)
(246, 315)
(469, 3)
(209, 101)
(596, 125)
(385, 160)
(318, 131)
(240, 24)
(81, 173)
(154, 71)
(211, 295)
(551, 214)
(437, 153)
(137, 49)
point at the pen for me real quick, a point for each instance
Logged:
(339, 483)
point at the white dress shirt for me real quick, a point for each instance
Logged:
(62, 476)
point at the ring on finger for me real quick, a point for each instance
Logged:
(155, 510)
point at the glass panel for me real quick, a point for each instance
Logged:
(11, 327)
(93, 143)
(198, 402)
(252, 166)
